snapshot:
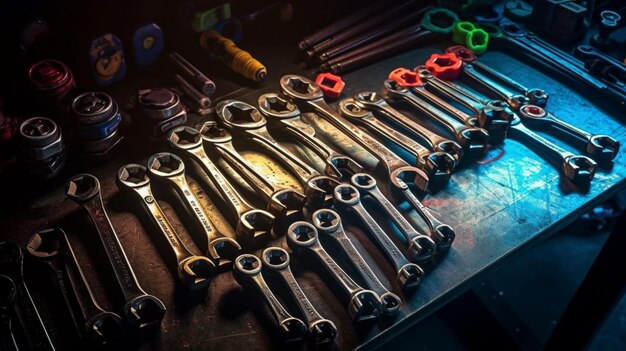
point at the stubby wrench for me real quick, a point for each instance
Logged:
(473, 140)
(308, 96)
(409, 275)
(140, 309)
(247, 272)
(170, 168)
(321, 330)
(327, 222)
(285, 116)
(12, 266)
(602, 148)
(8, 294)
(363, 304)
(284, 203)
(94, 324)
(253, 226)
(246, 121)
(437, 165)
(193, 271)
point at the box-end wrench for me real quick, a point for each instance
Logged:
(95, 325)
(253, 226)
(322, 331)
(286, 204)
(473, 140)
(140, 309)
(12, 266)
(193, 271)
(601, 148)
(8, 294)
(363, 305)
(409, 275)
(327, 222)
(437, 165)
(247, 272)
(285, 116)
(247, 122)
(577, 168)
(308, 96)
(167, 167)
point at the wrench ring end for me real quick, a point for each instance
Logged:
(195, 272)
(144, 311)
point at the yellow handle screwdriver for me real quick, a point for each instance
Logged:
(238, 60)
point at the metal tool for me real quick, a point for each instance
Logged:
(363, 304)
(437, 165)
(409, 275)
(247, 122)
(321, 330)
(285, 203)
(440, 234)
(253, 226)
(95, 325)
(170, 168)
(327, 222)
(193, 271)
(598, 62)
(247, 272)
(8, 293)
(140, 310)
(12, 266)
(201, 100)
(473, 140)
(285, 116)
(198, 79)
(162, 109)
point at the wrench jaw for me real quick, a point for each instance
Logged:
(400, 176)
(322, 332)
(223, 251)
(603, 148)
(44, 244)
(184, 138)
(144, 312)
(364, 305)
(287, 206)
(450, 147)
(438, 166)
(165, 164)
(104, 328)
(255, 227)
(274, 105)
(579, 169)
(496, 121)
(474, 142)
(238, 114)
(516, 101)
(443, 235)
(391, 304)
(132, 176)
(300, 88)
(82, 187)
(410, 276)
(421, 250)
(342, 167)
(195, 272)
(319, 191)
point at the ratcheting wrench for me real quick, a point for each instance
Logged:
(246, 121)
(363, 304)
(140, 309)
(285, 116)
(327, 222)
(166, 166)
(254, 226)
(194, 271)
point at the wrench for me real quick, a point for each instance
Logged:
(140, 309)
(285, 116)
(193, 271)
(363, 304)
(98, 326)
(170, 168)
(245, 121)
(12, 266)
(284, 203)
(437, 165)
(247, 272)
(8, 293)
(328, 222)
(602, 148)
(473, 140)
(409, 275)
(321, 330)
(306, 95)
(254, 226)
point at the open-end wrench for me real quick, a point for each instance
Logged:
(193, 271)
(247, 272)
(94, 324)
(8, 294)
(327, 222)
(473, 140)
(308, 96)
(285, 203)
(602, 148)
(437, 165)
(140, 309)
(247, 122)
(441, 234)
(321, 330)
(363, 304)
(577, 168)
(171, 169)
(253, 226)
(285, 116)
(12, 266)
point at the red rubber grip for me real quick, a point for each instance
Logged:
(444, 66)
